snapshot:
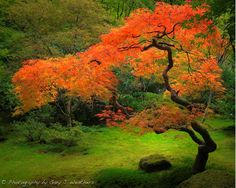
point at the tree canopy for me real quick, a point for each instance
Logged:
(143, 43)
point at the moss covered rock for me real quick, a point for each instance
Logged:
(154, 163)
(2, 138)
(209, 179)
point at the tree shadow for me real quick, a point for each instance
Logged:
(230, 130)
(130, 178)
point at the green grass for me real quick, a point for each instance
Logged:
(110, 156)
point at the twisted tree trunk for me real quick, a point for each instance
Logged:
(203, 149)
(206, 145)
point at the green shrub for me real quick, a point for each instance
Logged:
(8, 100)
(82, 128)
(226, 104)
(119, 178)
(44, 114)
(1, 131)
(65, 136)
(2, 134)
(55, 135)
(142, 100)
(31, 130)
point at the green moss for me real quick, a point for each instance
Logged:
(209, 179)
(105, 154)
(133, 178)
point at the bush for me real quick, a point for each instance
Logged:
(8, 100)
(65, 136)
(209, 178)
(44, 114)
(2, 134)
(57, 135)
(31, 130)
(119, 178)
(81, 127)
(142, 100)
(226, 104)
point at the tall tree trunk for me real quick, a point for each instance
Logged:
(207, 107)
(68, 112)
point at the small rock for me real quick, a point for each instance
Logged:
(154, 163)
(2, 138)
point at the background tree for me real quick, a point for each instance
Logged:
(55, 28)
(123, 8)
(223, 14)
(45, 28)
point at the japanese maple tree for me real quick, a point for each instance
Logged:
(181, 47)
(175, 43)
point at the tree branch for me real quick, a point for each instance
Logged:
(209, 145)
(192, 135)
(174, 94)
(96, 61)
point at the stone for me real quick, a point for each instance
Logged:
(209, 179)
(154, 163)
(2, 138)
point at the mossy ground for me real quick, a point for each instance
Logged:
(110, 157)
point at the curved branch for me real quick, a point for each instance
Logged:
(148, 47)
(135, 45)
(203, 150)
(167, 44)
(192, 135)
(209, 145)
(164, 33)
(96, 61)
(174, 94)
(173, 29)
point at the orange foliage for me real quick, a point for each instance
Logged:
(113, 118)
(38, 81)
(195, 68)
(162, 118)
(193, 35)
(205, 76)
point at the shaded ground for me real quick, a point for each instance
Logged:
(110, 156)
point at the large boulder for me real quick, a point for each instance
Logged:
(154, 163)
(209, 179)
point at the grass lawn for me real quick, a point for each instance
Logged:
(110, 156)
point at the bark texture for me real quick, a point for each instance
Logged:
(68, 113)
